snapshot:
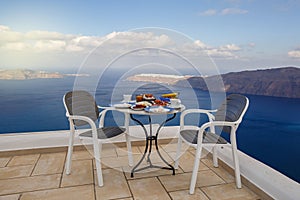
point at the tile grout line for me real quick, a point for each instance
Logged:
(128, 185)
(34, 166)
(11, 157)
(62, 173)
(94, 178)
(200, 188)
(157, 177)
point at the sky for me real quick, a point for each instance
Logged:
(237, 35)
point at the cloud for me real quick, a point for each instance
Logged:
(6, 35)
(50, 45)
(230, 47)
(4, 28)
(16, 46)
(200, 44)
(233, 11)
(251, 44)
(225, 11)
(46, 41)
(218, 53)
(209, 12)
(38, 40)
(224, 51)
(45, 35)
(36, 46)
(294, 54)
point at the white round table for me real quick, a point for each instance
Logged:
(149, 135)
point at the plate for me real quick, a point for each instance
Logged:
(176, 107)
(158, 109)
(122, 105)
(130, 102)
(137, 108)
(144, 103)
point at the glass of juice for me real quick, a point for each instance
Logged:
(139, 98)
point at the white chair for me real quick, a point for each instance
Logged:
(227, 117)
(81, 109)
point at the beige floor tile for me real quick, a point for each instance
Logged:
(186, 162)
(50, 163)
(4, 161)
(204, 153)
(46, 177)
(225, 175)
(172, 147)
(147, 188)
(208, 177)
(184, 194)
(114, 162)
(150, 172)
(219, 170)
(15, 171)
(122, 151)
(177, 182)
(24, 160)
(81, 174)
(115, 185)
(109, 150)
(19, 185)
(182, 181)
(229, 191)
(208, 162)
(82, 155)
(142, 148)
(10, 197)
(155, 158)
(79, 192)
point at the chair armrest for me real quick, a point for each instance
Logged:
(86, 119)
(217, 123)
(213, 124)
(103, 113)
(209, 114)
(106, 108)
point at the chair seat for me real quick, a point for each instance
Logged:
(105, 132)
(208, 137)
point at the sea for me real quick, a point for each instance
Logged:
(270, 131)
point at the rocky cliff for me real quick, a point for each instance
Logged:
(23, 74)
(280, 82)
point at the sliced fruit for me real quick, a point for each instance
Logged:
(170, 95)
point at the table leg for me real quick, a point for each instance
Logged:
(156, 143)
(128, 142)
(148, 148)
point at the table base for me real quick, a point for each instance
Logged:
(148, 148)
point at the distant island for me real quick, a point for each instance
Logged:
(25, 74)
(279, 82)
(158, 78)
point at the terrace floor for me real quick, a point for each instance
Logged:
(42, 176)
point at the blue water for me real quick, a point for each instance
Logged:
(270, 131)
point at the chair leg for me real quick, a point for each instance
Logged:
(70, 150)
(236, 167)
(195, 169)
(215, 156)
(128, 142)
(178, 153)
(97, 156)
(235, 160)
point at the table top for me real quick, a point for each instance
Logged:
(143, 112)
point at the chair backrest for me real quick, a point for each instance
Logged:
(81, 103)
(232, 110)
